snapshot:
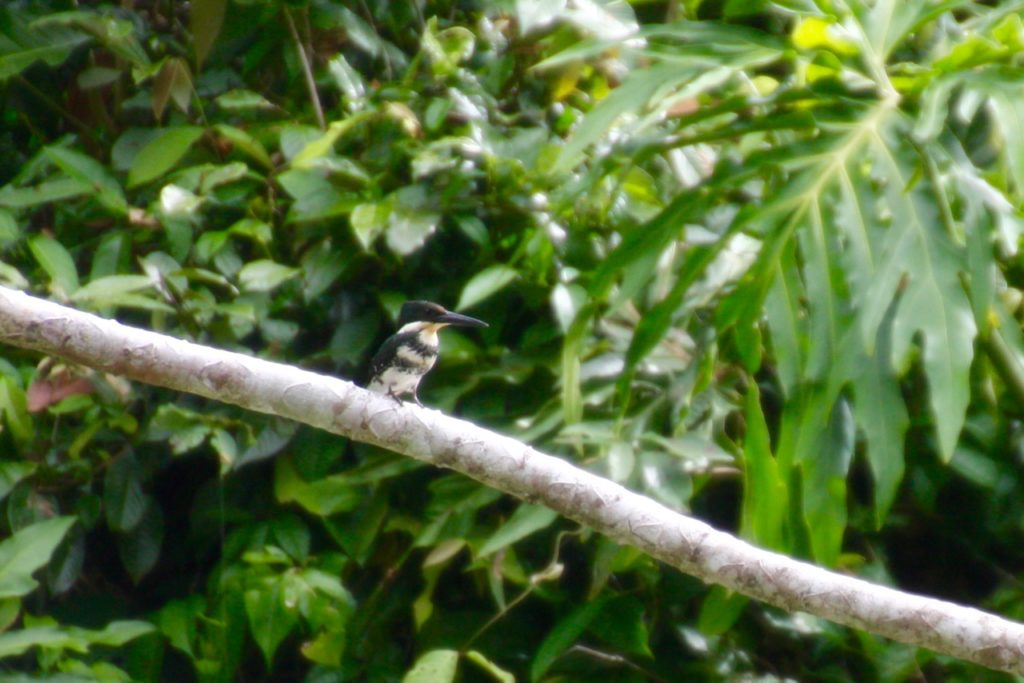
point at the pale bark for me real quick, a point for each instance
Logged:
(506, 464)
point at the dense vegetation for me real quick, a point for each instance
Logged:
(758, 261)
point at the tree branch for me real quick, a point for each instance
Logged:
(506, 464)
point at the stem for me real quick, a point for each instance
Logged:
(307, 70)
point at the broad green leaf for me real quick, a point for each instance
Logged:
(9, 230)
(933, 304)
(11, 472)
(54, 638)
(369, 220)
(22, 45)
(563, 635)
(326, 496)
(572, 351)
(526, 520)
(270, 617)
(56, 261)
(486, 283)
(765, 496)
(161, 154)
(264, 275)
(109, 290)
(14, 406)
(177, 621)
(324, 144)
(622, 625)
(411, 221)
(140, 546)
(123, 499)
(824, 492)
(881, 415)
(436, 666)
(26, 551)
(205, 20)
(44, 193)
(87, 170)
(249, 145)
(720, 610)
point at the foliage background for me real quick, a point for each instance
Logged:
(756, 260)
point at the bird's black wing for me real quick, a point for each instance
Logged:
(388, 351)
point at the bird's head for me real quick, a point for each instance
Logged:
(434, 314)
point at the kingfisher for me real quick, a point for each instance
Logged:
(407, 355)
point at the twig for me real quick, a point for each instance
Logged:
(307, 70)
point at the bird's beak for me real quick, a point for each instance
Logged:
(460, 320)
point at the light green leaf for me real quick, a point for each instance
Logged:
(87, 170)
(160, 154)
(56, 261)
(436, 666)
(264, 275)
(26, 551)
(11, 472)
(765, 495)
(486, 283)
(107, 291)
(49, 191)
(249, 145)
(526, 520)
(369, 220)
(270, 619)
(720, 610)
(15, 410)
(489, 667)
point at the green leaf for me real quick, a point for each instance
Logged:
(436, 666)
(486, 283)
(249, 145)
(123, 499)
(326, 496)
(140, 546)
(87, 170)
(44, 193)
(564, 634)
(24, 45)
(526, 520)
(933, 304)
(765, 494)
(572, 351)
(15, 410)
(824, 493)
(369, 220)
(720, 610)
(160, 154)
(111, 289)
(26, 551)
(882, 416)
(270, 618)
(55, 638)
(489, 667)
(205, 20)
(56, 261)
(11, 472)
(411, 220)
(623, 626)
(264, 275)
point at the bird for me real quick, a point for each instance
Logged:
(409, 354)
